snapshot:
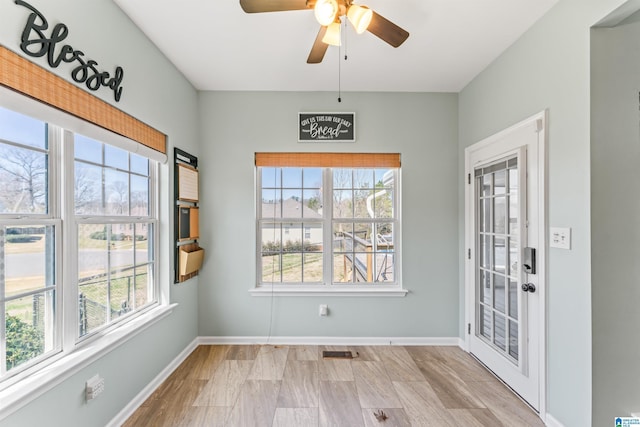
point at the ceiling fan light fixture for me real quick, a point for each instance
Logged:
(326, 11)
(360, 17)
(332, 36)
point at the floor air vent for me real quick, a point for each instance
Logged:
(337, 355)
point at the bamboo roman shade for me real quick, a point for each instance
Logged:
(27, 78)
(333, 160)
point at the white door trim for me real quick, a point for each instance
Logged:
(541, 119)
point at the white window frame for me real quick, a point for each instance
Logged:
(51, 218)
(72, 353)
(71, 236)
(328, 287)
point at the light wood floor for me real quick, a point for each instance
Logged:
(257, 386)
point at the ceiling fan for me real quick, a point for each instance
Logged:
(328, 13)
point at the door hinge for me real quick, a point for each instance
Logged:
(468, 328)
(469, 178)
(469, 253)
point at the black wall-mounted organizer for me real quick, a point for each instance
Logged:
(188, 253)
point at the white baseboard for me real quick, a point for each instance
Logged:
(141, 397)
(352, 341)
(552, 422)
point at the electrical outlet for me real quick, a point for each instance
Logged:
(324, 310)
(94, 387)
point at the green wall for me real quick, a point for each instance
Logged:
(157, 94)
(422, 127)
(615, 223)
(548, 68)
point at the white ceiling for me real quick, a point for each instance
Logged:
(219, 47)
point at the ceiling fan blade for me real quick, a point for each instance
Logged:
(387, 30)
(257, 6)
(319, 48)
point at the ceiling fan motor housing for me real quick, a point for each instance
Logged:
(362, 18)
(343, 6)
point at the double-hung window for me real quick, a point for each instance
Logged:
(328, 222)
(62, 286)
(30, 233)
(114, 220)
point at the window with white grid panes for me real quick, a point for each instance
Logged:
(30, 229)
(327, 226)
(115, 235)
(111, 213)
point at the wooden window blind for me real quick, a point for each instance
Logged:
(334, 160)
(27, 78)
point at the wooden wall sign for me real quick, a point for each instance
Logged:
(326, 127)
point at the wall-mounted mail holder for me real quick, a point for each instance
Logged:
(188, 253)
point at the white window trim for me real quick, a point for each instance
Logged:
(327, 290)
(267, 289)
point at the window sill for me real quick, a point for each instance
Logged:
(286, 291)
(17, 395)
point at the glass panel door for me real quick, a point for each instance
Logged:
(497, 240)
(504, 213)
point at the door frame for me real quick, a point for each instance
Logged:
(541, 119)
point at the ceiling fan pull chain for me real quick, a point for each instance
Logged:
(345, 39)
(339, 76)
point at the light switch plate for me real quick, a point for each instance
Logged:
(560, 237)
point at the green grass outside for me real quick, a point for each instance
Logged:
(23, 308)
(122, 289)
(292, 267)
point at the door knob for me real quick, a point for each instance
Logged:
(529, 287)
